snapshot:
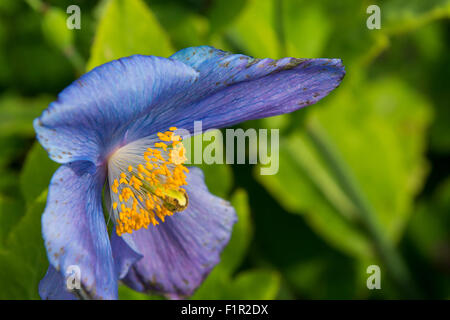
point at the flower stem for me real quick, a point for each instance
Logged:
(366, 214)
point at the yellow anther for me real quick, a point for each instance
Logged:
(161, 145)
(154, 191)
(163, 137)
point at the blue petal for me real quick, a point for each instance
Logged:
(233, 88)
(53, 286)
(91, 116)
(135, 97)
(179, 253)
(124, 255)
(74, 228)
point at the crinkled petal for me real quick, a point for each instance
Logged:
(130, 98)
(233, 88)
(74, 228)
(91, 116)
(179, 253)
(53, 286)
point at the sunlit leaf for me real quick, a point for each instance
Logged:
(254, 30)
(306, 28)
(236, 249)
(55, 30)
(17, 114)
(218, 176)
(36, 172)
(381, 136)
(126, 293)
(128, 27)
(254, 284)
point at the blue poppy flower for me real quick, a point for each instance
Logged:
(115, 128)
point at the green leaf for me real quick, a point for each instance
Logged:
(23, 258)
(126, 293)
(255, 284)
(250, 284)
(16, 132)
(306, 28)
(254, 30)
(213, 287)
(218, 177)
(55, 29)
(11, 210)
(17, 114)
(304, 186)
(36, 173)
(127, 28)
(312, 29)
(186, 28)
(401, 16)
(223, 13)
(381, 137)
(235, 251)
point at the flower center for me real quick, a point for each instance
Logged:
(146, 182)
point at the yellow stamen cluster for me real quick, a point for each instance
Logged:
(152, 189)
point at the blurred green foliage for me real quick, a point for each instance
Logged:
(364, 169)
